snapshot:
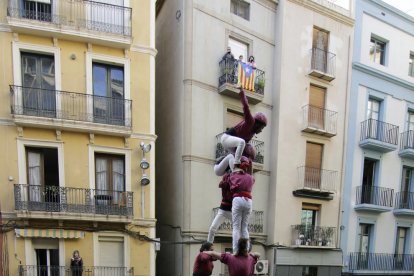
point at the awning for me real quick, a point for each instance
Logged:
(49, 233)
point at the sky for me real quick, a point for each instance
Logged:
(406, 6)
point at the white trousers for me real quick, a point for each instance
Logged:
(232, 142)
(218, 220)
(241, 210)
(220, 168)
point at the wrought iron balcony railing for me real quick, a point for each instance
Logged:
(255, 222)
(37, 270)
(76, 14)
(319, 120)
(70, 106)
(322, 63)
(404, 200)
(310, 235)
(229, 74)
(258, 146)
(72, 200)
(407, 140)
(381, 131)
(380, 261)
(317, 179)
(373, 195)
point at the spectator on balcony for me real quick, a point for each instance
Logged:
(241, 263)
(228, 62)
(241, 185)
(76, 264)
(251, 62)
(228, 55)
(236, 138)
(203, 265)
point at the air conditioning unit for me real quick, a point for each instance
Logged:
(261, 267)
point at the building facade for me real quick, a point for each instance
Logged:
(76, 118)
(312, 68)
(196, 102)
(377, 220)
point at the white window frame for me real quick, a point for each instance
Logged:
(117, 61)
(109, 150)
(18, 48)
(113, 234)
(30, 253)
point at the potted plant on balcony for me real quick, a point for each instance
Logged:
(261, 84)
(327, 236)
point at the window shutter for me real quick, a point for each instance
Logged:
(314, 155)
(317, 96)
(233, 118)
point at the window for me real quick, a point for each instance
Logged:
(110, 179)
(373, 109)
(411, 65)
(38, 81)
(401, 247)
(320, 42)
(111, 251)
(310, 271)
(240, 8)
(410, 121)
(364, 237)
(373, 126)
(238, 48)
(308, 233)
(377, 51)
(316, 113)
(233, 118)
(108, 91)
(37, 10)
(313, 165)
(47, 256)
(368, 181)
(404, 200)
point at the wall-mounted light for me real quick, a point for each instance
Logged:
(145, 180)
(145, 147)
(144, 164)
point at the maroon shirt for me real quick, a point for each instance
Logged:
(203, 264)
(241, 181)
(244, 129)
(239, 265)
(226, 194)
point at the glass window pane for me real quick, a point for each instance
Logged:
(100, 82)
(238, 48)
(117, 83)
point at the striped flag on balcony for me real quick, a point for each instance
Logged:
(246, 75)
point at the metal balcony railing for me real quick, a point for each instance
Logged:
(310, 235)
(258, 146)
(229, 74)
(70, 106)
(407, 140)
(381, 131)
(380, 261)
(37, 270)
(255, 222)
(72, 200)
(379, 196)
(77, 14)
(319, 118)
(317, 179)
(323, 61)
(404, 200)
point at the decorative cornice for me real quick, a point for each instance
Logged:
(144, 136)
(144, 222)
(6, 122)
(382, 75)
(270, 4)
(312, 5)
(5, 28)
(144, 49)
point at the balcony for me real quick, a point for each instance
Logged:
(67, 201)
(60, 109)
(316, 183)
(232, 73)
(36, 270)
(378, 136)
(319, 121)
(308, 236)
(258, 146)
(322, 64)
(404, 203)
(407, 145)
(373, 199)
(255, 222)
(82, 20)
(381, 263)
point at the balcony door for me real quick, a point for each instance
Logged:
(364, 240)
(47, 257)
(401, 248)
(373, 115)
(313, 165)
(106, 16)
(309, 221)
(108, 94)
(43, 179)
(38, 81)
(320, 50)
(368, 181)
(405, 199)
(40, 10)
(316, 113)
(408, 137)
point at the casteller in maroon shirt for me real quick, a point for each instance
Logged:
(203, 265)
(239, 265)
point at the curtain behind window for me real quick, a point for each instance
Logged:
(34, 175)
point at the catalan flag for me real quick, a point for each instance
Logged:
(246, 76)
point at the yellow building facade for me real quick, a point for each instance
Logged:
(76, 129)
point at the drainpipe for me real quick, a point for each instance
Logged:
(1, 244)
